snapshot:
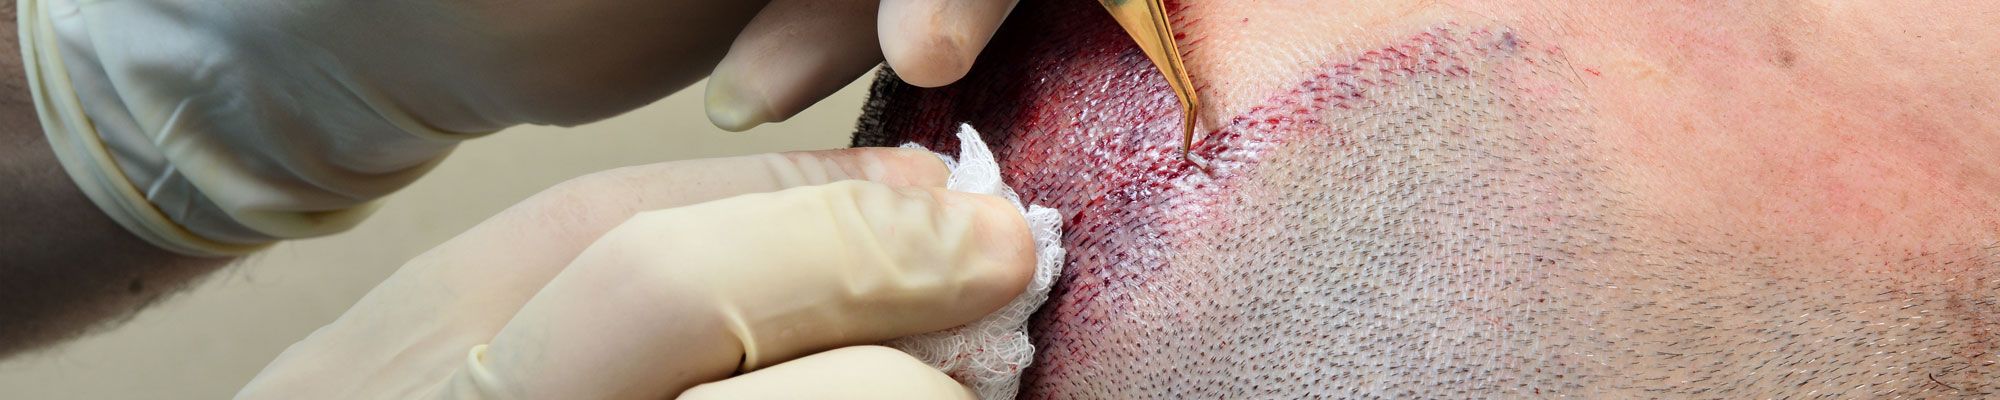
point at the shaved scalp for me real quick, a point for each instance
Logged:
(1422, 219)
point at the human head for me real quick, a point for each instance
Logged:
(1475, 200)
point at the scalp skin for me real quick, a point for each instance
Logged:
(1461, 204)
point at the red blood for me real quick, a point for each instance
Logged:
(1084, 123)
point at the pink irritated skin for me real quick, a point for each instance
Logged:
(1083, 123)
(1804, 120)
(1103, 154)
(1099, 144)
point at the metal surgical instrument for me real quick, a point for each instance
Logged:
(1146, 21)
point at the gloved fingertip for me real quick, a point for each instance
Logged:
(733, 108)
(929, 60)
(1002, 240)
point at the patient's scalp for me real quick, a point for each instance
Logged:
(1797, 119)
(1421, 200)
(1439, 210)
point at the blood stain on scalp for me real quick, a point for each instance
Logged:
(1414, 220)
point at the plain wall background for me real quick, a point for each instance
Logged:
(210, 339)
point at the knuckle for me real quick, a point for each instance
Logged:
(795, 169)
(978, 243)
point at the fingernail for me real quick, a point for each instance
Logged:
(732, 108)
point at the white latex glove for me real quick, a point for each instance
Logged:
(213, 127)
(798, 51)
(645, 281)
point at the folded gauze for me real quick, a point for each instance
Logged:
(989, 355)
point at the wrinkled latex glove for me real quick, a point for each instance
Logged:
(798, 51)
(645, 282)
(216, 127)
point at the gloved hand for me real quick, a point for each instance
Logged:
(798, 51)
(724, 265)
(214, 127)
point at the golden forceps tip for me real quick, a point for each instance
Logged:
(1146, 21)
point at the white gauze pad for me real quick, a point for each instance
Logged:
(989, 355)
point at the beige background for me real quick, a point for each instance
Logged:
(209, 340)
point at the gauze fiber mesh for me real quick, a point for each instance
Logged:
(989, 355)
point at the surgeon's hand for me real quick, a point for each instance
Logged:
(798, 51)
(645, 282)
(213, 127)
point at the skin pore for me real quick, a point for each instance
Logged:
(1504, 199)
